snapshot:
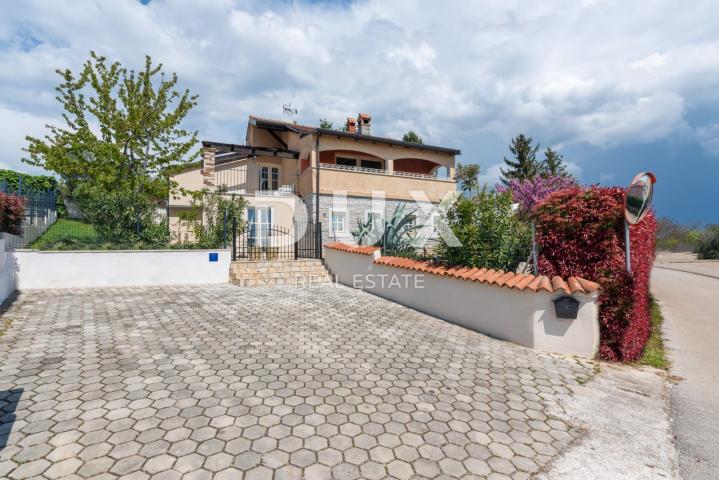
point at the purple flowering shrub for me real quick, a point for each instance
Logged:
(527, 193)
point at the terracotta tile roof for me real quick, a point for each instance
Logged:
(295, 126)
(343, 247)
(517, 281)
(354, 135)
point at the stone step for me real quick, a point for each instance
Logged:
(277, 263)
(275, 268)
(288, 270)
(267, 282)
(279, 272)
(277, 276)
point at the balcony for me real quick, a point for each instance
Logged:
(366, 182)
(377, 171)
(257, 177)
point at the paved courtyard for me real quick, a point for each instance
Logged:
(268, 383)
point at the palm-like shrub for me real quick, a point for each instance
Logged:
(397, 232)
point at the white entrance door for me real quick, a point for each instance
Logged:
(259, 219)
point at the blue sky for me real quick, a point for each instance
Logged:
(617, 90)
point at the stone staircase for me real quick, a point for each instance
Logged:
(302, 272)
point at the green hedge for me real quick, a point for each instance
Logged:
(36, 183)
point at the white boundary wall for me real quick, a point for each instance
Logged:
(524, 317)
(79, 269)
(7, 272)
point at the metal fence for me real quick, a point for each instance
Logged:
(263, 241)
(40, 214)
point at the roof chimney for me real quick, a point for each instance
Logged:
(351, 125)
(364, 122)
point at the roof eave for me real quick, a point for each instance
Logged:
(388, 141)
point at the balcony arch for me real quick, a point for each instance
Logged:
(420, 166)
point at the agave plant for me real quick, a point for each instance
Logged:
(363, 233)
(396, 231)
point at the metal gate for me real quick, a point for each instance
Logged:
(309, 245)
(261, 241)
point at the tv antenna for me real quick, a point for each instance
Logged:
(290, 111)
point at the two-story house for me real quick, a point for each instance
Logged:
(295, 174)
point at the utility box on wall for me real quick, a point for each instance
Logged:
(566, 307)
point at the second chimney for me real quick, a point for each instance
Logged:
(364, 123)
(351, 125)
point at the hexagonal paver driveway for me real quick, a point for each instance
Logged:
(269, 383)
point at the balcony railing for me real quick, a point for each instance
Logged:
(249, 178)
(378, 171)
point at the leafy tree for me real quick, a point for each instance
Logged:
(676, 237)
(467, 176)
(553, 164)
(412, 137)
(492, 236)
(525, 165)
(328, 125)
(120, 142)
(708, 245)
(209, 219)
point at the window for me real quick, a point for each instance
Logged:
(435, 220)
(348, 162)
(338, 221)
(376, 164)
(275, 178)
(375, 219)
(269, 178)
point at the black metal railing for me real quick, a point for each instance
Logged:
(309, 241)
(262, 241)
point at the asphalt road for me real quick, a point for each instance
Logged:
(690, 304)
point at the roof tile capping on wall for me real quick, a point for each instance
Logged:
(518, 307)
(343, 247)
(518, 281)
(500, 278)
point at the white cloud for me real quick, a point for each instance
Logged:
(490, 176)
(562, 71)
(15, 126)
(641, 120)
(421, 57)
(709, 138)
(574, 169)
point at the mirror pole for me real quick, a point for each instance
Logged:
(627, 248)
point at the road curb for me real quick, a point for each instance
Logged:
(687, 271)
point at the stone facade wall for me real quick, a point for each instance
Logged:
(357, 208)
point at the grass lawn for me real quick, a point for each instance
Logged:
(655, 355)
(66, 234)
